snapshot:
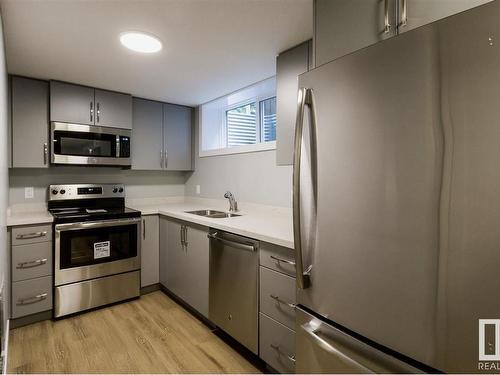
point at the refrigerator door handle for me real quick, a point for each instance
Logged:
(305, 97)
(327, 347)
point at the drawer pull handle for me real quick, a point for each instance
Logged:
(279, 300)
(280, 351)
(30, 300)
(31, 235)
(32, 263)
(281, 260)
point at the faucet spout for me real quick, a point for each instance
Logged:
(233, 205)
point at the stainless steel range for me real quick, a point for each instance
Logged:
(96, 247)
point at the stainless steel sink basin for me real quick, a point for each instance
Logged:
(212, 214)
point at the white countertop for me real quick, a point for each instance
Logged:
(265, 223)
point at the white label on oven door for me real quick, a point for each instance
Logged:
(101, 249)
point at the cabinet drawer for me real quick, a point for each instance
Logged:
(277, 345)
(31, 296)
(31, 234)
(281, 259)
(31, 260)
(277, 296)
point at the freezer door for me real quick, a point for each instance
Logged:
(322, 348)
(367, 200)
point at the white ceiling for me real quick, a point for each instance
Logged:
(210, 47)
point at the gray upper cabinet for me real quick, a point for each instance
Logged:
(177, 132)
(289, 65)
(344, 26)
(29, 121)
(86, 105)
(147, 135)
(113, 109)
(415, 13)
(71, 103)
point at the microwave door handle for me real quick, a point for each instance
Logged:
(117, 146)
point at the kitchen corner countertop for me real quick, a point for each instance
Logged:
(264, 223)
(29, 216)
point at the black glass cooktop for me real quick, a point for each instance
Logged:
(77, 214)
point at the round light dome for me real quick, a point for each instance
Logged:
(140, 42)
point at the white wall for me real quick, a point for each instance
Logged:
(251, 177)
(139, 184)
(4, 177)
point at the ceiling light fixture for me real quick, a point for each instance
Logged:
(140, 42)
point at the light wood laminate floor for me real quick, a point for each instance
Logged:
(150, 335)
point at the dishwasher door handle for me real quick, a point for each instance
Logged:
(248, 246)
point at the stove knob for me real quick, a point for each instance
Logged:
(54, 191)
(115, 190)
(121, 190)
(62, 191)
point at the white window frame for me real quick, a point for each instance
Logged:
(257, 147)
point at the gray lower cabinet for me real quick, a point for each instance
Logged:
(177, 135)
(277, 307)
(277, 345)
(150, 250)
(31, 269)
(85, 105)
(29, 122)
(289, 65)
(184, 262)
(147, 134)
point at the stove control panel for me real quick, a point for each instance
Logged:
(84, 191)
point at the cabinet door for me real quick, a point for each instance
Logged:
(177, 130)
(422, 12)
(147, 134)
(113, 109)
(289, 65)
(173, 258)
(197, 251)
(344, 26)
(150, 250)
(71, 103)
(30, 115)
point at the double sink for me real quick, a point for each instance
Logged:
(213, 214)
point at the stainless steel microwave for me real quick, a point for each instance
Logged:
(89, 145)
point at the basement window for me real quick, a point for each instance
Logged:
(244, 121)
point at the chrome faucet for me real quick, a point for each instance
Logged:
(233, 205)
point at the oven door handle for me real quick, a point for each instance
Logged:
(96, 224)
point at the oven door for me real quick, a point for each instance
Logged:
(89, 250)
(89, 145)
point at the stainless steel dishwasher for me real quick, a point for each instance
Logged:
(234, 286)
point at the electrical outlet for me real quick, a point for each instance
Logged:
(198, 189)
(29, 192)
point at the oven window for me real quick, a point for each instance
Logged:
(84, 144)
(85, 247)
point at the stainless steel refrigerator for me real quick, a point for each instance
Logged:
(397, 202)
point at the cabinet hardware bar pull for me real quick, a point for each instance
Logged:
(166, 158)
(31, 235)
(185, 236)
(91, 112)
(98, 111)
(143, 228)
(32, 263)
(30, 300)
(279, 300)
(281, 260)
(387, 24)
(280, 351)
(45, 153)
(404, 14)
